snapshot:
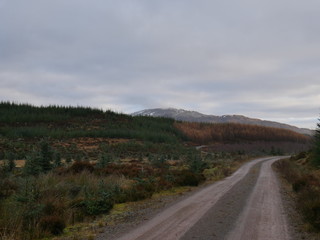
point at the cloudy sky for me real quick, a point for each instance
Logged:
(259, 58)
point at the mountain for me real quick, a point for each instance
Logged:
(193, 116)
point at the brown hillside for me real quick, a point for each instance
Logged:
(205, 133)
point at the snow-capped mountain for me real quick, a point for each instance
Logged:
(193, 116)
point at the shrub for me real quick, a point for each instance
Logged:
(140, 190)
(316, 147)
(165, 182)
(306, 186)
(299, 184)
(52, 224)
(80, 166)
(10, 164)
(196, 164)
(96, 203)
(104, 160)
(159, 161)
(46, 156)
(187, 178)
(57, 160)
(288, 170)
(32, 166)
(130, 171)
(7, 187)
(300, 155)
(309, 204)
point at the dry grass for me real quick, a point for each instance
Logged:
(117, 215)
(305, 183)
(59, 199)
(19, 163)
(120, 211)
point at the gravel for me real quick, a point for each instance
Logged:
(193, 206)
(139, 213)
(225, 212)
(221, 218)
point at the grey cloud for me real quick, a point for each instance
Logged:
(258, 58)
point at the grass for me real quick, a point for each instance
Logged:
(304, 180)
(81, 192)
(58, 201)
(119, 214)
(96, 165)
(46, 203)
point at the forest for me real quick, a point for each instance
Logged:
(61, 166)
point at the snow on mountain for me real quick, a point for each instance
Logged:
(193, 116)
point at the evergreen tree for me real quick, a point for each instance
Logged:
(10, 164)
(159, 161)
(46, 156)
(68, 159)
(316, 147)
(273, 151)
(39, 162)
(32, 165)
(57, 160)
(195, 162)
(104, 160)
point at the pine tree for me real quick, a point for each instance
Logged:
(104, 160)
(159, 161)
(57, 160)
(195, 162)
(32, 166)
(46, 156)
(39, 162)
(68, 159)
(316, 147)
(10, 164)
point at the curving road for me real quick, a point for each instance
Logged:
(244, 206)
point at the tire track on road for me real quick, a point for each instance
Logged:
(222, 217)
(263, 218)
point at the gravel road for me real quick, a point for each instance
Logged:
(246, 205)
(263, 217)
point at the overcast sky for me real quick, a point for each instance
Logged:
(259, 58)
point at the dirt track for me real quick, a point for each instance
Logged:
(264, 217)
(246, 205)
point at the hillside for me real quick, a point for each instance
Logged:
(193, 116)
(86, 131)
(62, 165)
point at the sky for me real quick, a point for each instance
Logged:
(258, 58)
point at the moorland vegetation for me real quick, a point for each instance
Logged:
(302, 173)
(64, 165)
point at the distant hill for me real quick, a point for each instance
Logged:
(193, 116)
